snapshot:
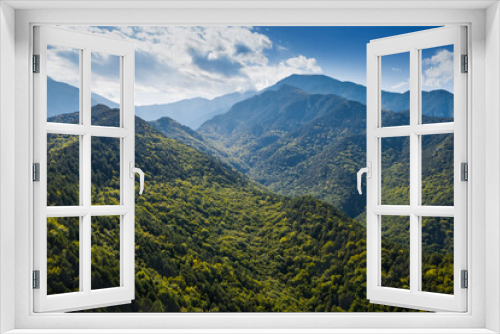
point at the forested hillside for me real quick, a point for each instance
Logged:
(183, 134)
(208, 239)
(288, 139)
(297, 143)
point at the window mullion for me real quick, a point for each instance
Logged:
(82, 192)
(414, 173)
(85, 167)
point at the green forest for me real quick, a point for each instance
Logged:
(209, 239)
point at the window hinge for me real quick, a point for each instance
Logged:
(36, 63)
(464, 171)
(465, 279)
(465, 64)
(36, 172)
(36, 279)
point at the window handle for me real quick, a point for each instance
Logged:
(133, 171)
(368, 171)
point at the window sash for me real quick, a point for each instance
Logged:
(85, 298)
(413, 43)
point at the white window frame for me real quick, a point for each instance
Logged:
(413, 43)
(483, 50)
(86, 297)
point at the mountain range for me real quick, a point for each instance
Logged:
(298, 143)
(208, 239)
(436, 103)
(194, 112)
(63, 98)
(293, 141)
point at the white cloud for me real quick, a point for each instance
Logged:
(63, 64)
(262, 76)
(401, 86)
(438, 71)
(179, 62)
(105, 77)
(303, 63)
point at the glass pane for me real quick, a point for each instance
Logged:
(63, 170)
(395, 171)
(395, 251)
(437, 84)
(63, 255)
(105, 89)
(63, 84)
(105, 252)
(395, 84)
(437, 170)
(437, 254)
(105, 171)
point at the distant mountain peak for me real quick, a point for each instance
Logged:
(192, 112)
(63, 98)
(170, 123)
(436, 103)
(296, 75)
(101, 108)
(287, 89)
(301, 79)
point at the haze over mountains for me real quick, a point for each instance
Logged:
(194, 112)
(64, 98)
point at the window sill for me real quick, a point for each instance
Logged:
(252, 331)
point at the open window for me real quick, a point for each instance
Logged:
(72, 187)
(416, 189)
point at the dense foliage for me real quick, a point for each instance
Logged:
(296, 143)
(290, 140)
(208, 239)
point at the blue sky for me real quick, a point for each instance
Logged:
(180, 62)
(340, 51)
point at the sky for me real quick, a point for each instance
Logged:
(181, 62)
